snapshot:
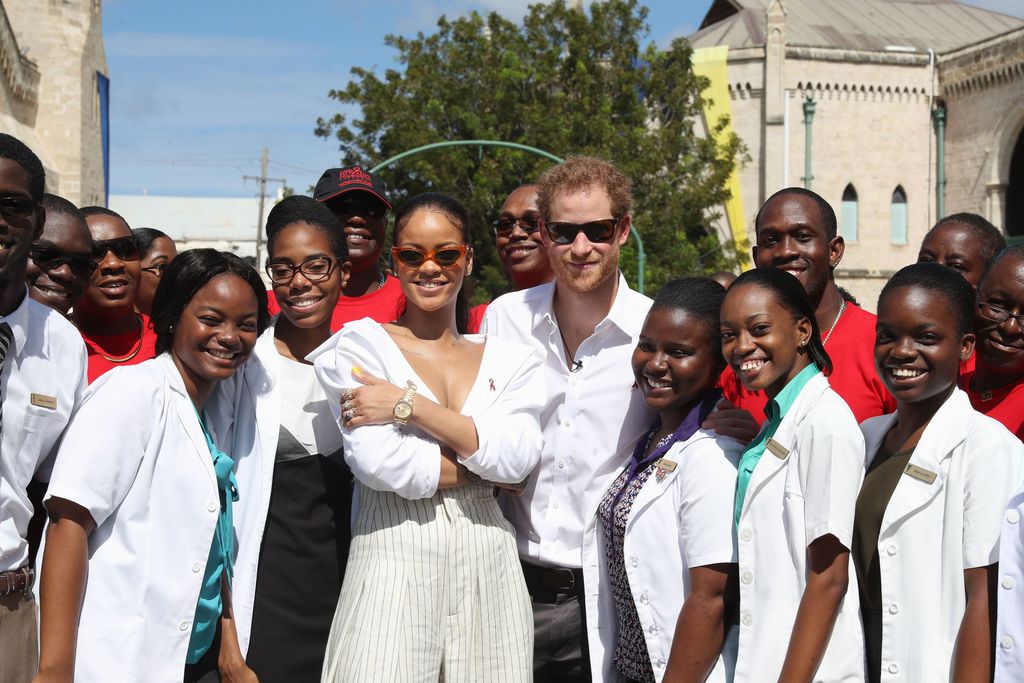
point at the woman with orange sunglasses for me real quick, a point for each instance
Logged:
(431, 419)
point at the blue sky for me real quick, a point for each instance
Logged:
(199, 88)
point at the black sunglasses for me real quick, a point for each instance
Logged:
(51, 258)
(358, 205)
(16, 207)
(598, 232)
(505, 226)
(124, 248)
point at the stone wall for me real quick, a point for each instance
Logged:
(64, 39)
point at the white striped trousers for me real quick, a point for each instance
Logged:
(433, 592)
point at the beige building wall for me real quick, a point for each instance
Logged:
(983, 89)
(63, 39)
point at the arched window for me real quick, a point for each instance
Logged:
(898, 216)
(848, 214)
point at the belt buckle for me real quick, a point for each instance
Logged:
(29, 575)
(572, 578)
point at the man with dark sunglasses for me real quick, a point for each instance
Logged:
(114, 332)
(520, 247)
(61, 261)
(42, 378)
(359, 200)
(584, 325)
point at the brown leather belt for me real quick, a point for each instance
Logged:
(552, 579)
(16, 580)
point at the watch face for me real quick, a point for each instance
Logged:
(403, 410)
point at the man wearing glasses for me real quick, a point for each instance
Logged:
(520, 247)
(359, 201)
(584, 325)
(115, 333)
(42, 377)
(60, 262)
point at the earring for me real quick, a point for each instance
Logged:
(803, 344)
(170, 328)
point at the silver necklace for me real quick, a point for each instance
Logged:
(842, 307)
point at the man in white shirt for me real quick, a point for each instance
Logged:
(584, 325)
(42, 378)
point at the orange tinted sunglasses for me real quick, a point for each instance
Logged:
(445, 257)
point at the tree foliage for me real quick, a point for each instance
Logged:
(564, 81)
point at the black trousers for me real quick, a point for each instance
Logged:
(560, 653)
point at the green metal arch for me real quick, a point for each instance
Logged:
(524, 148)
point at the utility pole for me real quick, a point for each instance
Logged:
(262, 180)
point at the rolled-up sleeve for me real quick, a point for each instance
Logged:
(993, 465)
(105, 443)
(383, 457)
(508, 432)
(831, 468)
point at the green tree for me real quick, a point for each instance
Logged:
(563, 81)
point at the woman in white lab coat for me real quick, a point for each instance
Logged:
(430, 417)
(660, 552)
(137, 564)
(293, 523)
(795, 493)
(926, 540)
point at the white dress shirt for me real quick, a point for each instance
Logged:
(679, 522)
(592, 417)
(42, 381)
(943, 518)
(136, 458)
(804, 487)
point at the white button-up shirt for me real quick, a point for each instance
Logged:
(797, 494)
(680, 521)
(42, 381)
(592, 417)
(1010, 620)
(136, 458)
(943, 518)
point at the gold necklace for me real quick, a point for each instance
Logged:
(134, 350)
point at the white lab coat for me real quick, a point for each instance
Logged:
(932, 532)
(246, 410)
(1010, 625)
(680, 522)
(135, 457)
(791, 501)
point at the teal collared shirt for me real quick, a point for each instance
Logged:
(775, 411)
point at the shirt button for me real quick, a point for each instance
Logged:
(1012, 516)
(1008, 582)
(644, 599)
(653, 630)
(1006, 643)
(555, 505)
(747, 577)
(894, 668)
(634, 562)
(894, 608)
(565, 423)
(183, 626)
(561, 464)
(746, 534)
(660, 663)
(196, 567)
(212, 507)
(891, 550)
(747, 619)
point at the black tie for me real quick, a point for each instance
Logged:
(5, 343)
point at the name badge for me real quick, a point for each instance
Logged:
(920, 473)
(777, 449)
(48, 402)
(664, 467)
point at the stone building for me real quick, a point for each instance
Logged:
(52, 70)
(896, 111)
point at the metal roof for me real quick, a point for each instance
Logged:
(941, 25)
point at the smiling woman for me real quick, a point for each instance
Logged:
(142, 505)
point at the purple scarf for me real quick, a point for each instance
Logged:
(694, 419)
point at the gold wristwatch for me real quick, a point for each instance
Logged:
(403, 409)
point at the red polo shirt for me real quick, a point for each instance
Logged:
(851, 348)
(384, 305)
(1005, 404)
